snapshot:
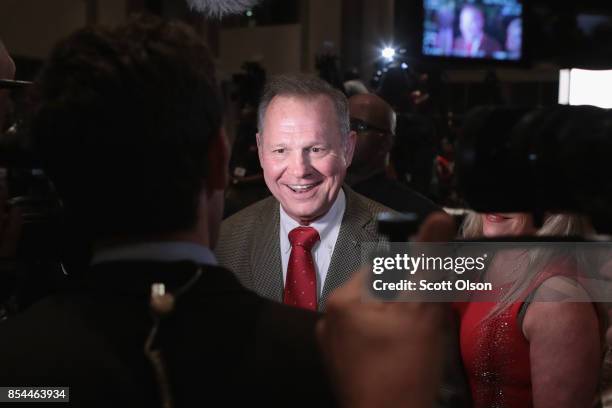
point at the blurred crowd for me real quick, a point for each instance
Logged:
(169, 240)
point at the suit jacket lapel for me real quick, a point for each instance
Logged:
(266, 259)
(357, 226)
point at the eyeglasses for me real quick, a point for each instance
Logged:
(358, 125)
(11, 84)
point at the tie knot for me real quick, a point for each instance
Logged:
(305, 237)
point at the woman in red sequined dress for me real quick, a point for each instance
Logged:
(522, 352)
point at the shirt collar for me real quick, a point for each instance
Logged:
(323, 225)
(165, 251)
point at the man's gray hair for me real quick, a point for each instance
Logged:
(304, 86)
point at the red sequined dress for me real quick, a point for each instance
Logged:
(494, 350)
(495, 355)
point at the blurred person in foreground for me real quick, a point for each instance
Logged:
(522, 350)
(130, 131)
(373, 120)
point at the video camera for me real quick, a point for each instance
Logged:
(538, 160)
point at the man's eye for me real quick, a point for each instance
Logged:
(316, 149)
(278, 151)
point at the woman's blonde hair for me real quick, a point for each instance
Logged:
(558, 225)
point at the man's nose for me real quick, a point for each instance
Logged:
(299, 165)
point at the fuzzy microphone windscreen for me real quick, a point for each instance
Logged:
(220, 8)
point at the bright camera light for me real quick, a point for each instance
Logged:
(388, 53)
(585, 87)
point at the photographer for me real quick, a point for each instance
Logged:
(129, 130)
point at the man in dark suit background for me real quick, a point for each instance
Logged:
(130, 132)
(373, 120)
(305, 147)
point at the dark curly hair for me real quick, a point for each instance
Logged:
(125, 123)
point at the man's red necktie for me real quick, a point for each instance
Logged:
(301, 283)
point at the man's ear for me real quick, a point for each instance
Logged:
(7, 65)
(349, 148)
(259, 139)
(218, 162)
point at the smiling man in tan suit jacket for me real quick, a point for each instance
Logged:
(305, 147)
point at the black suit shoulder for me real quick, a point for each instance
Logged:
(397, 196)
(223, 342)
(371, 205)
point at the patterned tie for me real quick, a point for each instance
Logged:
(301, 283)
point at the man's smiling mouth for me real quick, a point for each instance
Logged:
(302, 188)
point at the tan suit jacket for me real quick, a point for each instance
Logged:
(249, 245)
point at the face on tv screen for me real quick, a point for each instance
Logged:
(486, 29)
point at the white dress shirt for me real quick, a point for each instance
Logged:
(328, 228)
